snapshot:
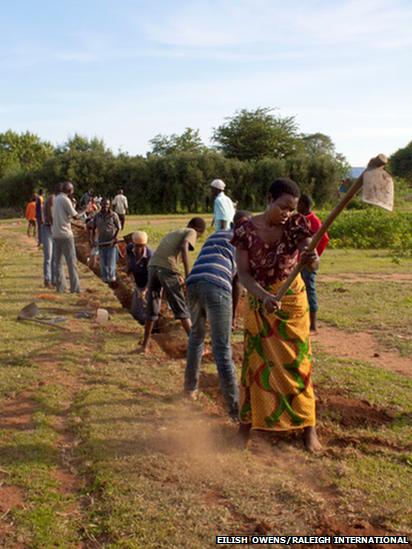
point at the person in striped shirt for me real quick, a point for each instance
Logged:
(213, 293)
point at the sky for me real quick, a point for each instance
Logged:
(126, 70)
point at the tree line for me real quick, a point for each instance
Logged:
(250, 149)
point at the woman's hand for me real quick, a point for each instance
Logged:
(271, 304)
(310, 259)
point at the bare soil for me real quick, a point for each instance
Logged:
(361, 346)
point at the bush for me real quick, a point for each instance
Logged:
(372, 228)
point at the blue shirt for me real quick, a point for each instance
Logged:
(138, 266)
(215, 262)
(223, 210)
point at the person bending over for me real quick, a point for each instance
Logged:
(164, 275)
(213, 294)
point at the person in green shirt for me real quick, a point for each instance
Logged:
(164, 276)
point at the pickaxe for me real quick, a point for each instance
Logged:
(377, 189)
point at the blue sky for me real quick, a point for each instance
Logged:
(126, 70)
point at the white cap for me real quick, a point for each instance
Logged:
(218, 184)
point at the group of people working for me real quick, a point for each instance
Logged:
(257, 252)
(51, 221)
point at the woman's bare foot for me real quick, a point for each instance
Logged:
(312, 443)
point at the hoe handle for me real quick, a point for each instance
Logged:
(377, 162)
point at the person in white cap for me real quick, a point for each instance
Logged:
(223, 209)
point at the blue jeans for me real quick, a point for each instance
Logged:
(310, 283)
(65, 247)
(108, 262)
(209, 301)
(49, 254)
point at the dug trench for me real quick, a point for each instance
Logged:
(347, 411)
(348, 414)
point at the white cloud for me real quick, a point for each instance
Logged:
(215, 24)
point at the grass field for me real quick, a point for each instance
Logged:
(98, 449)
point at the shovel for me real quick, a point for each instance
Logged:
(377, 189)
(30, 312)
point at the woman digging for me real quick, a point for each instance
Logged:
(276, 392)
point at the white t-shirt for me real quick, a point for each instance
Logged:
(224, 210)
(63, 211)
(120, 204)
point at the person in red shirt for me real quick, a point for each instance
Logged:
(305, 208)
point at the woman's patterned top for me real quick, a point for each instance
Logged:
(270, 262)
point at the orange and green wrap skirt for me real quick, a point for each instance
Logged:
(276, 392)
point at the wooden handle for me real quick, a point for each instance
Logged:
(377, 162)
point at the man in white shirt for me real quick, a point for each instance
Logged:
(63, 239)
(120, 206)
(223, 209)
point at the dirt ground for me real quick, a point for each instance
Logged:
(18, 414)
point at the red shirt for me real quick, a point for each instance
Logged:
(315, 224)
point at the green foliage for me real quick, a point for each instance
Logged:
(257, 145)
(373, 228)
(189, 141)
(401, 162)
(22, 152)
(256, 134)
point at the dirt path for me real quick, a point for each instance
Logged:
(367, 277)
(361, 346)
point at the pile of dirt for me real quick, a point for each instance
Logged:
(350, 412)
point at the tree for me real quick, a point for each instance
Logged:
(80, 143)
(401, 162)
(22, 152)
(318, 143)
(255, 134)
(188, 141)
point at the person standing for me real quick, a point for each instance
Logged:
(223, 207)
(107, 224)
(31, 216)
(85, 198)
(63, 211)
(213, 294)
(121, 206)
(49, 253)
(276, 392)
(164, 276)
(138, 255)
(305, 205)
(39, 215)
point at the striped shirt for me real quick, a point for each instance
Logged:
(215, 262)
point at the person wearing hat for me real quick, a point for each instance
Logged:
(138, 255)
(223, 208)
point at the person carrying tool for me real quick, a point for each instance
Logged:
(138, 255)
(276, 391)
(107, 224)
(164, 275)
(305, 208)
